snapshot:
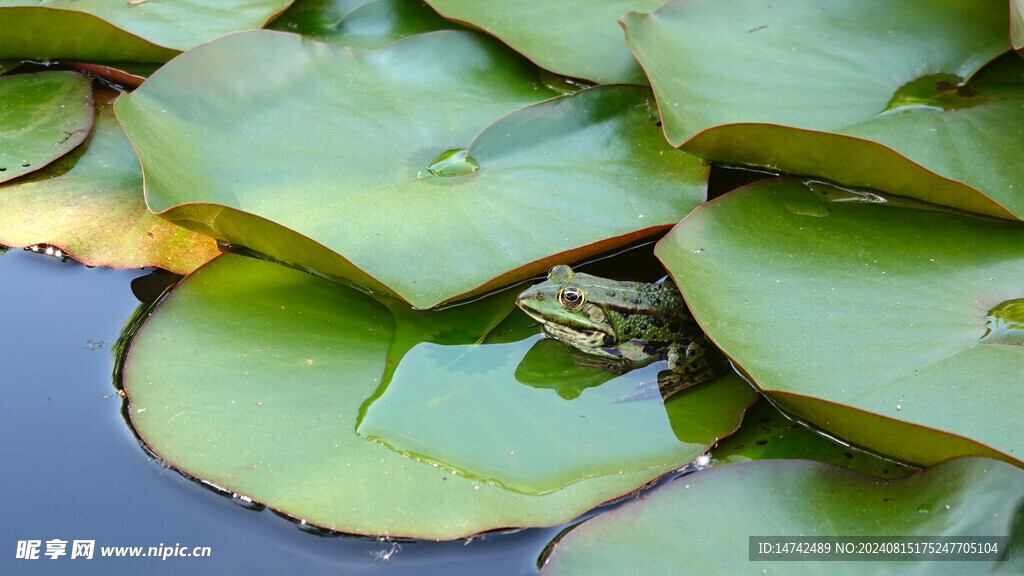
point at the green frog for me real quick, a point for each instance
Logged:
(625, 324)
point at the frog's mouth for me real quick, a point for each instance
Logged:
(584, 338)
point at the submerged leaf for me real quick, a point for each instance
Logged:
(359, 24)
(769, 434)
(478, 420)
(865, 319)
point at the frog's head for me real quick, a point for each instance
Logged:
(564, 307)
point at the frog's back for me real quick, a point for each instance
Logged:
(642, 310)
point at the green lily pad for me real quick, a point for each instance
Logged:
(577, 38)
(44, 116)
(768, 433)
(359, 24)
(273, 165)
(704, 521)
(96, 213)
(293, 357)
(865, 319)
(880, 94)
(133, 31)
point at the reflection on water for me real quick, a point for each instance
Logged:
(557, 366)
(934, 92)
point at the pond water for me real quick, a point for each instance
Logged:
(73, 470)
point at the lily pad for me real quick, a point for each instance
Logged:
(359, 24)
(44, 116)
(293, 357)
(879, 94)
(574, 38)
(96, 213)
(273, 164)
(705, 521)
(879, 324)
(138, 31)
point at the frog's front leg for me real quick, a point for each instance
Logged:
(681, 359)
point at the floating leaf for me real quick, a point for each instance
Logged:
(44, 116)
(274, 164)
(359, 24)
(95, 211)
(862, 318)
(880, 94)
(704, 521)
(136, 31)
(574, 38)
(293, 357)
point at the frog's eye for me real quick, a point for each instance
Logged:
(571, 297)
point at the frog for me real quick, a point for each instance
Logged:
(625, 325)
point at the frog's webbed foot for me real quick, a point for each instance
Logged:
(688, 357)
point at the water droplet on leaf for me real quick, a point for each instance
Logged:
(455, 162)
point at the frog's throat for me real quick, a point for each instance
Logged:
(588, 340)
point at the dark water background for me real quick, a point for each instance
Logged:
(71, 468)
